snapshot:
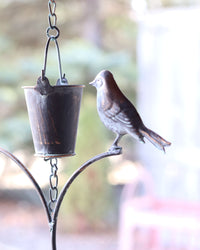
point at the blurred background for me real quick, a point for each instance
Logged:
(143, 199)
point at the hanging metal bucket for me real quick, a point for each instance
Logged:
(53, 114)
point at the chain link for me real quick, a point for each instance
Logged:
(53, 181)
(52, 31)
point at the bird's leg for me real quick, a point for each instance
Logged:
(118, 137)
(115, 146)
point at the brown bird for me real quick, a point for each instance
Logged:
(118, 113)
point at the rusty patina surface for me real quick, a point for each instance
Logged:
(53, 113)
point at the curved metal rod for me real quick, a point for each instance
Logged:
(45, 58)
(68, 184)
(59, 61)
(25, 170)
(58, 54)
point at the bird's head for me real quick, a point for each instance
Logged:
(102, 79)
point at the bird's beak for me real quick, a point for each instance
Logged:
(93, 83)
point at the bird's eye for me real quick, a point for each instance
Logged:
(100, 82)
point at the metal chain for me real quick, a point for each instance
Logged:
(52, 21)
(53, 180)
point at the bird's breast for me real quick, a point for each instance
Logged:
(103, 101)
(108, 110)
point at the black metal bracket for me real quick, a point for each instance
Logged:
(52, 218)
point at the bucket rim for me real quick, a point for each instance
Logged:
(58, 86)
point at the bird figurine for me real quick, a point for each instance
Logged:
(119, 115)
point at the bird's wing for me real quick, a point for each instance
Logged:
(117, 114)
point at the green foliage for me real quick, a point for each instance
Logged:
(81, 61)
(22, 44)
(89, 200)
(92, 38)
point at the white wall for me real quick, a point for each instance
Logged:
(169, 98)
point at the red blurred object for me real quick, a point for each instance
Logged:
(148, 223)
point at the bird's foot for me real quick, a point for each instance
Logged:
(115, 149)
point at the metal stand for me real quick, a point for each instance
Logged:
(52, 212)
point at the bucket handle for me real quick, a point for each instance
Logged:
(54, 38)
(43, 85)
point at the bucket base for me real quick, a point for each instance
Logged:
(53, 155)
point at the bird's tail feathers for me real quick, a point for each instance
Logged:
(155, 139)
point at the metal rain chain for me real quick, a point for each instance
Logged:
(53, 181)
(53, 114)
